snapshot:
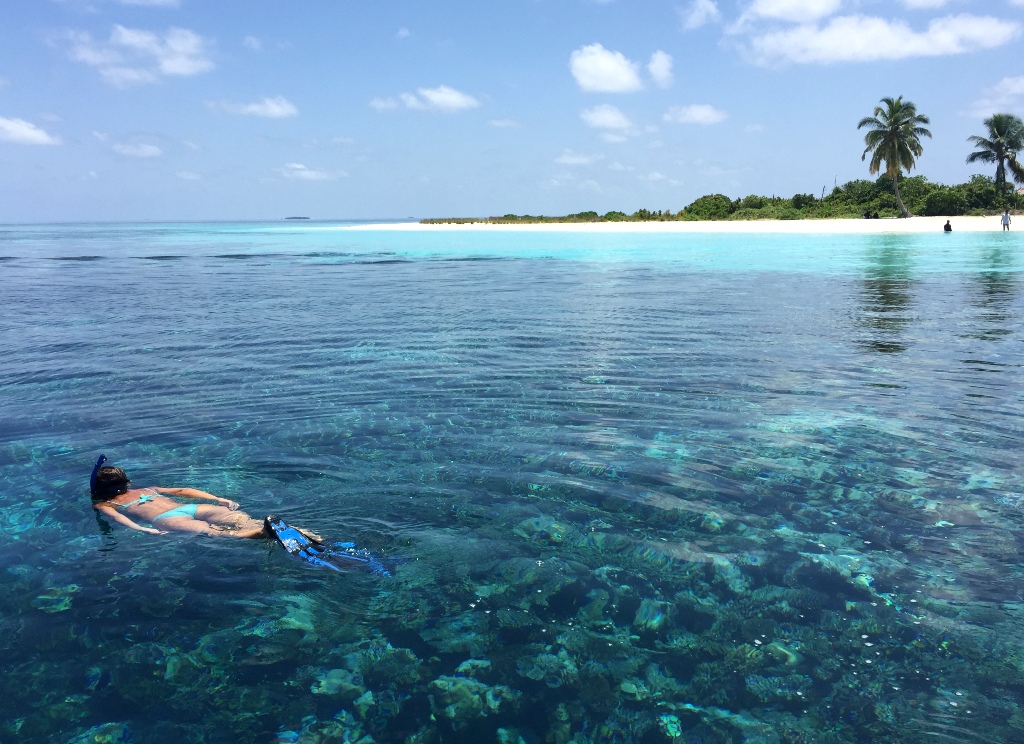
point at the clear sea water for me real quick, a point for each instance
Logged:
(633, 488)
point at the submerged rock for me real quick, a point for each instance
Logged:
(771, 689)
(554, 670)
(105, 733)
(342, 729)
(56, 599)
(473, 668)
(461, 699)
(383, 666)
(543, 529)
(652, 615)
(338, 682)
(510, 736)
(671, 725)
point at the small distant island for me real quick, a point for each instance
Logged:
(854, 200)
(296, 218)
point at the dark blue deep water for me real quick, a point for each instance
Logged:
(633, 488)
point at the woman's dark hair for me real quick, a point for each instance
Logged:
(110, 482)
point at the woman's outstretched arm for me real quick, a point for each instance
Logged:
(109, 511)
(192, 493)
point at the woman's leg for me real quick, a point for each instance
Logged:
(187, 524)
(233, 523)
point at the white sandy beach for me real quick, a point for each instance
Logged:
(808, 227)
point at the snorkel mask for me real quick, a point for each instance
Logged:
(95, 470)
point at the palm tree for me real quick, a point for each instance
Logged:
(1004, 142)
(894, 138)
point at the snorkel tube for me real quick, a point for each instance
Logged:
(96, 469)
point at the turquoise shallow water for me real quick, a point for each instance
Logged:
(634, 488)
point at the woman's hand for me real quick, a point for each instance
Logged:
(152, 531)
(232, 505)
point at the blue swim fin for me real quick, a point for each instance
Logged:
(336, 557)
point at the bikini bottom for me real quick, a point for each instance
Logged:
(188, 510)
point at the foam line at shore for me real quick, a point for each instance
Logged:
(807, 227)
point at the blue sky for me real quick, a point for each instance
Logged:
(224, 109)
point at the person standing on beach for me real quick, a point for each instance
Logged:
(1006, 220)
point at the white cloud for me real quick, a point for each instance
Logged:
(383, 104)
(660, 68)
(568, 157)
(403, 33)
(606, 116)
(700, 13)
(925, 4)
(616, 125)
(4, 82)
(253, 43)
(135, 56)
(138, 151)
(656, 177)
(21, 132)
(126, 77)
(269, 108)
(179, 52)
(411, 101)
(700, 113)
(504, 123)
(865, 39)
(599, 70)
(797, 11)
(299, 172)
(447, 99)
(101, 136)
(442, 98)
(189, 176)
(1006, 96)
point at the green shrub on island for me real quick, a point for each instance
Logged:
(712, 207)
(945, 202)
(856, 199)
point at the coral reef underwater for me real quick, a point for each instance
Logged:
(622, 502)
(664, 616)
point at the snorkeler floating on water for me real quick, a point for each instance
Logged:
(114, 497)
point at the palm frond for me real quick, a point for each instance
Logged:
(983, 156)
(1017, 169)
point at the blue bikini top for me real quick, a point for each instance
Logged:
(141, 500)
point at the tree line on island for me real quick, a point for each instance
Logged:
(893, 142)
